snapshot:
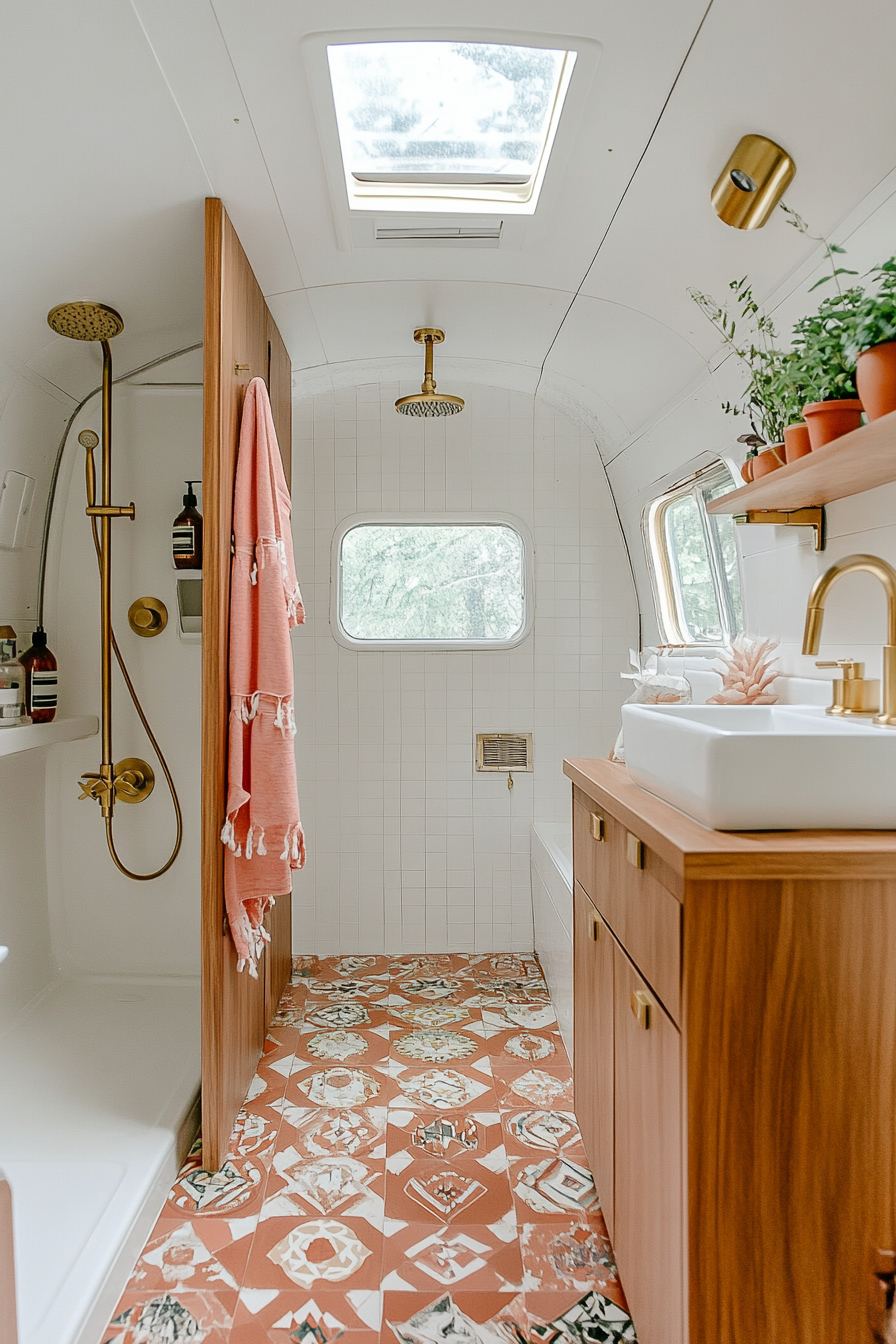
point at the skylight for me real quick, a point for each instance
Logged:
(446, 122)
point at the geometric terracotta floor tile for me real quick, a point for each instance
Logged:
(544, 1085)
(425, 1190)
(288, 1315)
(325, 1253)
(453, 1136)
(552, 1187)
(424, 1257)
(172, 1315)
(574, 1256)
(406, 1169)
(453, 1315)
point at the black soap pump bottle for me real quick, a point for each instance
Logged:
(186, 538)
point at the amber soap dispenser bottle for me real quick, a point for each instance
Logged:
(186, 537)
(41, 679)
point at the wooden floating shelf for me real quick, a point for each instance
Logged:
(856, 462)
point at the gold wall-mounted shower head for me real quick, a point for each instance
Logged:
(82, 320)
(428, 402)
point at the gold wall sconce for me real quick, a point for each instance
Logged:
(752, 182)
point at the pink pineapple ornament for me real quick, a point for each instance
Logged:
(748, 672)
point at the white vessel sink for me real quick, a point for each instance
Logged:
(768, 767)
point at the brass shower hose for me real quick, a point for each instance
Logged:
(110, 839)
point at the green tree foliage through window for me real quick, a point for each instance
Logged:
(440, 582)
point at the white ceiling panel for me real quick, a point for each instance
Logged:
(102, 186)
(632, 361)
(810, 63)
(512, 323)
(607, 129)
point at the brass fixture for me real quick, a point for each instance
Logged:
(852, 564)
(131, 780)
(240, 368)
(85, 321)
(814, 517)
(642, 1004)
(428, 401)
(597, 826)
(634, 851)
(148, 616)
(596, 926)
(853, 693)
(752, 182)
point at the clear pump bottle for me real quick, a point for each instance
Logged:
(12, 682)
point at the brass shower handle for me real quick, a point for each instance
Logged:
(134, 780)
(110, 511)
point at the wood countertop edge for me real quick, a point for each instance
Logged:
(697, 853)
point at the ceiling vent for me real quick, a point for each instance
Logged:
(440, 235)
(403, 229)
(504, 751)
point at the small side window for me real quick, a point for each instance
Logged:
(431, 584)
(693, 562)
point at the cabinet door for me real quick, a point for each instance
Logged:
(648, 1195)
(593, 1043)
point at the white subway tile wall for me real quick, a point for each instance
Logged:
(409, 849)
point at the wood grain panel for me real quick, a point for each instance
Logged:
(648, 921)
(858, 461)
(593, 1043)
(791, 1058)
(692, 851)
(239, 331)
(648, 1235)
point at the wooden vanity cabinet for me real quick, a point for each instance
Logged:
(735, 1057)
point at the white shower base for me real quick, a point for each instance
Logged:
(552, 911)
(99, 1081)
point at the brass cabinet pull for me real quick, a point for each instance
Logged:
(596, 926)
(597, 826)
(634, 851)
(641, 1006)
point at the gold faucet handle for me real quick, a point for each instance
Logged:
(852, 693)
(852, 671)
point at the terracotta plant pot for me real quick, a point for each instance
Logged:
(876, 379)
(828, 420)
(768, 460)
(796, 441)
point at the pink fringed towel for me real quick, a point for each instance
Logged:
(262, 830)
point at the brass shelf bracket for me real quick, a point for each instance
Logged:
(814, 518)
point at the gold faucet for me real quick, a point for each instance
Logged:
(869, 564)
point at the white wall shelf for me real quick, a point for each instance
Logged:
(32, 735)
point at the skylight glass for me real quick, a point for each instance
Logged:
(452, 119)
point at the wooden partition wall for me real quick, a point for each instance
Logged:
(241, 342)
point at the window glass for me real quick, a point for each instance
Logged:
(696, 592)
(454, 113)
(432, 582)
(694, 563)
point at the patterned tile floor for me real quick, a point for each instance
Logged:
(407, 1165)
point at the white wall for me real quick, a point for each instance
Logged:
(778, 565)
(102, 922)
(408, 848)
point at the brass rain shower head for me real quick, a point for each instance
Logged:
(85, 321)
(428, 401)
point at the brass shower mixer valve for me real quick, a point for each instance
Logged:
(130, 781)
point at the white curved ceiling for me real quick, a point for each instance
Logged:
(122, 116)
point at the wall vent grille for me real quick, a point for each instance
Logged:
(504, 751)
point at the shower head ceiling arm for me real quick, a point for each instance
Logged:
(427, 402)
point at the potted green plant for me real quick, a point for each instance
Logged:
(824, 368)
(872, 343)
(772, 398)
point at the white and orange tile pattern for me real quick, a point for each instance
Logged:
(407, 1167)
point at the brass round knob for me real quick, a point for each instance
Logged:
(147, 616)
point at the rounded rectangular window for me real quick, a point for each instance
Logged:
(440, 584)
(693, 561)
